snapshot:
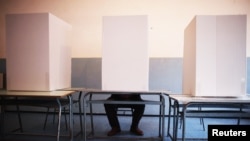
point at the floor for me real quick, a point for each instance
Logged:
(33, 123)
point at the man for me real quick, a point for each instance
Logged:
(111, 111)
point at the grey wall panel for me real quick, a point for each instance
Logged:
(86, 72)
(165, 74)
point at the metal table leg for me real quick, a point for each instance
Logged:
(2, 119)
(84, 120)
(184, 123)
(71, 118)
(59, 118)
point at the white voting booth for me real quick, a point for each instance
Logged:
(37, 52)
(125, 61)
(214, 61)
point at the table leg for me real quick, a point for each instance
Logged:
(163, 117)
(59, 118)
(2, 119)
(174, 111)
(91, 116)
(169, 112)
(184, 123)
(84, 120)
(80, 111)
(19, 118)
(176, 120)
(71, 118)
(160, 119)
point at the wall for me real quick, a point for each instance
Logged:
(164, 73)
(167, 21)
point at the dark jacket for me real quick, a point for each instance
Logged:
(133, 97)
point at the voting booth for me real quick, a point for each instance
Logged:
(125, 61)
(214, 60)
(38, 55)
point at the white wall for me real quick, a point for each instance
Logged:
(167, 20)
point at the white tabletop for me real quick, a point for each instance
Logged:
(181, 98)
(51, 94)
(101, 91)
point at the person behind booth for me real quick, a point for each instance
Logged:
(111, 111)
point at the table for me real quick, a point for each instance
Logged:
(43, 95)
(234, 107)
(87, 99)
(81, 92)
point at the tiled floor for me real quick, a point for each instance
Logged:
(33, 123)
